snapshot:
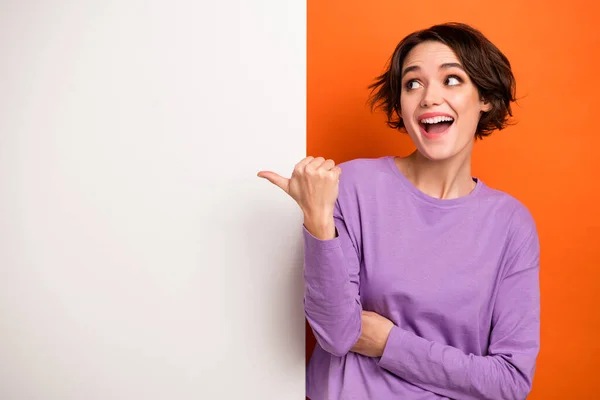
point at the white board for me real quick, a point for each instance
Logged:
(140, 256)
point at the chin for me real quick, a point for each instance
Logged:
(442, 148)
(437, 153)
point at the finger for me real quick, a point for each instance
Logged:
(337, 171)
(304, 162)
(327, 165)
(367, 313)
(301, 166)
(315, 164)
(276, 179)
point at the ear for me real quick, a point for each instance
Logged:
(485, 105)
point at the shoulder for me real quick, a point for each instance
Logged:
(359, 172)
(509, 208)
(522, 242)
(360, 166)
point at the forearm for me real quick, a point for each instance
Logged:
(331, 301)
(450, 372)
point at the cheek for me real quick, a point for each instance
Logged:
(466, 106)
(408, 105)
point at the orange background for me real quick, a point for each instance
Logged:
(547, 160)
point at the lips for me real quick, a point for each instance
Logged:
(437, 130)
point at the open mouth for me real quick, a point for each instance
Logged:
(436, 126)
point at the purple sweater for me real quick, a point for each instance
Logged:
(459, 279)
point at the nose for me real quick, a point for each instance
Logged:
(431, 96)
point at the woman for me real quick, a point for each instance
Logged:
(447, 267)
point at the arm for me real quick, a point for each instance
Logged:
(507, 371)
(331, 300)
(331, 296)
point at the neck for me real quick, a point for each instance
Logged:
(446, 179)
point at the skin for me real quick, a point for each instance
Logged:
(439, 167)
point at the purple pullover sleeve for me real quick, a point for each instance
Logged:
(331, 296)
(506, 372)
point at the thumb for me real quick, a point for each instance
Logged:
(276, 179)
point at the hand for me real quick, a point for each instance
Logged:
(374, 335)
(314, 185)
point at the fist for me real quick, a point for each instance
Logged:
(374, 334)
(313, 185)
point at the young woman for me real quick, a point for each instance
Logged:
(421, 282)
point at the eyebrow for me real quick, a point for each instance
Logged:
(443, 66)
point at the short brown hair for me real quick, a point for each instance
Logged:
(485, 64)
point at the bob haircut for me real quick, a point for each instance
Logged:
(484, 63)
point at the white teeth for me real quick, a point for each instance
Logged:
(435, 120)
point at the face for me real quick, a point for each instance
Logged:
(439, 104)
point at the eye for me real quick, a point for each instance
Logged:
(412, 84)
(453, 80)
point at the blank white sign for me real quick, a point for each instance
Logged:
(140, 256)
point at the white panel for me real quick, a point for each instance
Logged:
(140, 256)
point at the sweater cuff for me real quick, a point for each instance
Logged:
(394, 351)
(314, 244)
